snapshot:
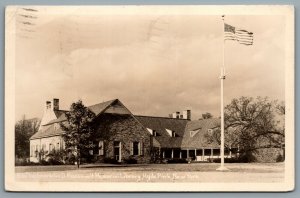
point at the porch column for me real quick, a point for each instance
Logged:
(195, 154)
(120, 155)
(163, 154)
(180, 154)
(172, 154)
(202, 154)
(212, 153)
(187, 153)
(230, 153)
(159, 151)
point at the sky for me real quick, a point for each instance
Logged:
(154, 64)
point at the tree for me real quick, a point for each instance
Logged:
(206, 115)
(24, 129)
(78, 130)
(251, 124)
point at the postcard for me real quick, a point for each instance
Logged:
(184, 98)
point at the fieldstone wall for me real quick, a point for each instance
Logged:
(125, 129)
(268, 154)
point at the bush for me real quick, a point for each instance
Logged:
(280, 158)
(246, 158)
(54, 158)
(70, 159)
(130, 161)
(177, 161)
(226, 160)
(110, 160)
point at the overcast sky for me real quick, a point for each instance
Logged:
(155, 64)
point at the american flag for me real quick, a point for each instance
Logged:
(242, 36)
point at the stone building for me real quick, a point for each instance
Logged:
(122, 136)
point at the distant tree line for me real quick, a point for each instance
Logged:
(24, 129)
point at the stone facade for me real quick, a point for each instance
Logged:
(125, 129)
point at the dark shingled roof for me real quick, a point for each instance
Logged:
(199, 140)
(160, 124)
(97, 109)
(181, 127)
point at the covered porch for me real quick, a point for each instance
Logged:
(198, 154)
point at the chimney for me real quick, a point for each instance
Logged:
(174, 115)
(55, 104)
(48, 105)
(187, 114)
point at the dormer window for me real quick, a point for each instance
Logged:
(194, 132)
(210, 130)
(173, 134)
(152, 132)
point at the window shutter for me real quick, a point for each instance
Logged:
(101, 147)
(142, 148)
(131, 148)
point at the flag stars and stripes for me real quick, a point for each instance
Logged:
(242, 36)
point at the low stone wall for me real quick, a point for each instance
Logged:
(268, 154)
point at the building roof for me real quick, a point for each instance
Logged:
(97, 109)
(188, 134)
(160, 124)
(199, 130)
(48, 131)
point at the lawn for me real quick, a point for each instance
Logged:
(195, 172)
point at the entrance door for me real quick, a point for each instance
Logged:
(117, 151)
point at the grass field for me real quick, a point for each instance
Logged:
(195, 172)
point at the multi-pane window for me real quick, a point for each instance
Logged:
(137, 148)
(101, 147)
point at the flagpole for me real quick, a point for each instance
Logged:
(222, 78)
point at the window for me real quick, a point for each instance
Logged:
(137, 148)
(51, 147)
(36, 151)
(43, 147)
(32, 151)
(101, 147)
(57, 146)
(173, 134)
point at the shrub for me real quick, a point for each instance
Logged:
(246, 158)
(226, 160)
(177, 161)
(110, 160)
(280, 158)
(130, 160)
(54, 158)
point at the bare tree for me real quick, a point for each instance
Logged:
(251, 124)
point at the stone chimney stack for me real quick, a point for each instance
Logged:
(187, 114)
(55, 104)
(48, 105)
